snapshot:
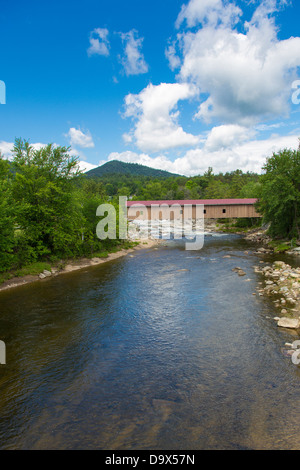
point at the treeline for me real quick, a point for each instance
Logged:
(235, 184)
(277, 188)
(48, 209)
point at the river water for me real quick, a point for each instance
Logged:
(162, 349)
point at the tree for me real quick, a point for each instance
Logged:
(216, 190)
(280, 193)
(8, 217)
(48, 212)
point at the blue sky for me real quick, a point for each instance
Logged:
(176, 85)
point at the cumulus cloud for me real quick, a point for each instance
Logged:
(156, 117)
(244, 77)
(6, 149)
(85, 166)
(99, 43)
(80, 139)
(249, 155)
(211, 11)
(133, 59)
(227, 136)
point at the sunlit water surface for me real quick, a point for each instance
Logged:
(162, 349)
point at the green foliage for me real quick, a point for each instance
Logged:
(7, 219)
(48, 210)
(280, 193)
(235, 184)
(33, 269)
(246, 223)
(280, 247)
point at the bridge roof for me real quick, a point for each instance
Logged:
(206, 202)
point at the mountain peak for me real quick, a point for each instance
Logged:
(131, 169)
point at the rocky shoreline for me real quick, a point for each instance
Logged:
(280, 281)
(260, 237)
(283, 282)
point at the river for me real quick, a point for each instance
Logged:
(162, 349)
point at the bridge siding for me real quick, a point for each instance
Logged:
(211, 211)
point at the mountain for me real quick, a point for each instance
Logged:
(131, 169)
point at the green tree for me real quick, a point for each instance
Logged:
(280, 193)
(8, 217)
(216, 190)
(48, 211)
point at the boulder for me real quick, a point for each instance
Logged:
(279, 264)
(241, 273)
(285, 322)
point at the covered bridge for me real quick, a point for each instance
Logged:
(212, 209)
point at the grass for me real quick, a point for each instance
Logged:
(241, 225)
(5, 277)
(280, 246)
(33, 269)
(30, 269)
(102, 254)
(39, 266)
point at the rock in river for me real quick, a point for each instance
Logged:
(289, 323)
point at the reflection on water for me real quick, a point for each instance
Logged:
(167, 349)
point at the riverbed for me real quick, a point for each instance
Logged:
(162, 349)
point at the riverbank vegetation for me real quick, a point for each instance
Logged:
(48, 210)
(280, 194)
(48, 207)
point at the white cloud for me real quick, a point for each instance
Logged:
(154, 110)
(249, 155)
(85, 166)
(227, 136)
(211, 11)
(99, 43)
(133, 60)
(173, 58)
(77, 137)
(6, 149)
(245, 77)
